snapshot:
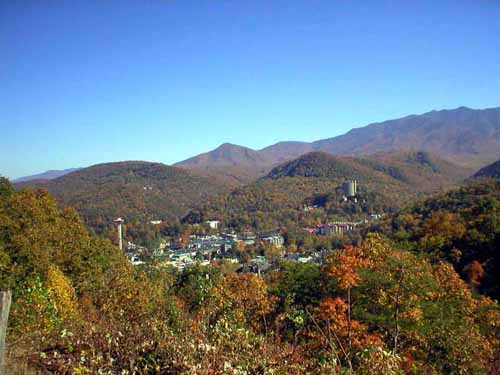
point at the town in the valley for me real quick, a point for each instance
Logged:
(241, 251)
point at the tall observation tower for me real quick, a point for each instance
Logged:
(119, 223)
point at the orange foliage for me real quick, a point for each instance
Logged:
(344, 266)
(335, 312)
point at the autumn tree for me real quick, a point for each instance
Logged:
(422, 312)
(344, 268)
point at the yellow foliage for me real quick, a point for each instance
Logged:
(62, 293)
(248, 297)
(413, 314)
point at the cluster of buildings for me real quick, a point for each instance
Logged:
(261, 264)
(340, 227)
(201, 249)
(207, 248)
(335, 227)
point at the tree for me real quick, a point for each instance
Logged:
(344, 266)
(6, 188)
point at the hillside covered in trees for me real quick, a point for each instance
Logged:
(386, 183)
(80, 308)
(142, 191)
(461, 226)
(136, 191)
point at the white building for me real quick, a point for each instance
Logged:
(214, 224)
(275, 240)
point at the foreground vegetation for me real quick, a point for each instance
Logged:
(461, 226)
(379, 308)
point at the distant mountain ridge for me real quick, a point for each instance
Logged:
(225, 155)
(463, 136)
(490, 171)
(47, 175)
(237, 164)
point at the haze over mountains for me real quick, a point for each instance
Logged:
(417, 154)
(464, 136)
(48, 175)
(490, 171)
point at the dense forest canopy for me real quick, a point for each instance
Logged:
(387, 182)
(142, 191)
(461, 226)
(136, 191)
(377, 308)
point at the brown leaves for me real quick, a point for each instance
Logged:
(475, 273)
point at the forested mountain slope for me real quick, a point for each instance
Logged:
(134, 190)
(386, 183)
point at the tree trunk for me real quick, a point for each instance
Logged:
(397, 306)
(349, 327)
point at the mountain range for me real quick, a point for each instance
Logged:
(463, 136)
(48, 175)
(490, 171)
(142, 191)
(394, 161)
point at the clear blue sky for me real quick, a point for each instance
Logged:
(84, 82)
